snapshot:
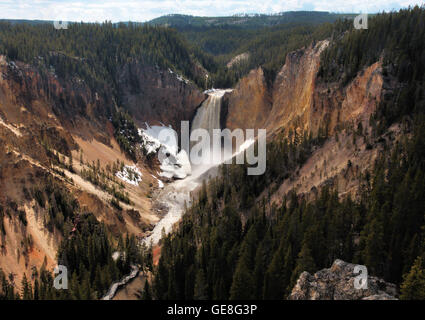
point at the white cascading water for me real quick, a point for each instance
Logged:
(175, 195)
(208, 115)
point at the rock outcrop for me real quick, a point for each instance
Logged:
(240, 58)
(293, 89)
(300, 100)
(337, 283)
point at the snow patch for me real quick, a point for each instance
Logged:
(116, 255)
(155, 137)
(130, 174)
(160, 183)
(176, 166)
(179, 77)
(163, 141)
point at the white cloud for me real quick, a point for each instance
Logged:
(142, 10)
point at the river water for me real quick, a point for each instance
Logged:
(176, 196)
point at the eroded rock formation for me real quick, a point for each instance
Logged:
(337, 283)
(249, 104)
(157, 96)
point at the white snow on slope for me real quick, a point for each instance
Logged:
(130, 174)
(163, 141)
(160, 183)
(176, 166)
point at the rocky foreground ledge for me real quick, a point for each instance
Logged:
(337, 283)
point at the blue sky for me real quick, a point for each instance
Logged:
(142, 10)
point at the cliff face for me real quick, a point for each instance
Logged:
(153, 95)
(293, 88)
(298, 98)
(337, 283)
(44, 117)
(335, 105)
(34, 99)
(250, 103)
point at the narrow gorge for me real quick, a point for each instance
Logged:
(176, 196)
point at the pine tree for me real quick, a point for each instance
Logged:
(36, 290)
(26, 288)
(305, 262)
(243, 287)
(200, 290)
(413, 286)
(273, 280)
(146, 291)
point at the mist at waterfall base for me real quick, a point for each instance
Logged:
(201, 148)
(176, 196)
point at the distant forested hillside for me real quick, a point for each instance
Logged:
(268, 47)
(247, 21)
(94, 52)
(267, 38)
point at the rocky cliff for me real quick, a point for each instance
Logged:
(293, 89)
(157, 96)
(300, 100)
(337, 283)
(250, 103)
(46, 119)
(35, 98)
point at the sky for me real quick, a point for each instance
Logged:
(143, 10)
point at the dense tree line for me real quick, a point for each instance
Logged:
(397, 38)
(95, 52)
(126, 132)
(234, 244)
(267, 47)
(245, 21)
(87, 253)
(217, 255)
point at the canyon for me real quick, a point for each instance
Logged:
(67, 116)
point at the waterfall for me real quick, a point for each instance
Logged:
(208, 117)
(176, 196)
(208, 114)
